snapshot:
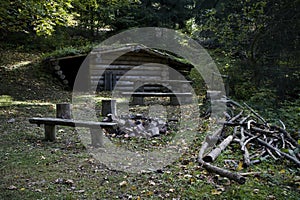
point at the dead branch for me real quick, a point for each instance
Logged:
(244, 119)
(282, 140)
(294, 159)
(236, 117)
(210, 141)
(223, 172)
(233, 102)
(243, 144)
(256, 114)
(250, 173)
(217, 151)
(283, 125)
(286, 134)
(259, 130)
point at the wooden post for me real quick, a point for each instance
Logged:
(109, 107)
(174, 101)
(49, 132)
(96, 137)
(139, 88)
(63, 110)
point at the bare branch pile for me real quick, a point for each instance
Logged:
(257, 139)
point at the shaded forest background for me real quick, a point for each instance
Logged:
(254, 42)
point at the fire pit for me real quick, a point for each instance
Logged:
(139, 125)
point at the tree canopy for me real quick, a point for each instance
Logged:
(261, 37)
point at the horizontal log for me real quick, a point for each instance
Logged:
(136, 62)
(139, 53)
(157, 81)
(70, 122)
(131, 88)
(223, 172)
(67, 57)
(124, 67)
(132, 72)
(156, 94)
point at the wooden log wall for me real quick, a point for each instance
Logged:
(104, 74)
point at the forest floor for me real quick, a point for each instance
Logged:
(31, 168)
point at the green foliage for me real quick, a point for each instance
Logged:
(165, 13)
(197, 82)
(252, 32)
(40, 17)
(67, 51)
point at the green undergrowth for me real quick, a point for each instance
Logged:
(31, 168)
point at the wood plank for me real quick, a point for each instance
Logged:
(70, 122)
(131, 72)
(124, 67)
(158, 94)
(156, 81)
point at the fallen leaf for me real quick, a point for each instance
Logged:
(12, 187)
(172, 190)
(240, 166)
(216, 192)
(123, 183)
(69, 182)
(12, 120)
(133, 188)
(149, 193)
(152, 183)
(59, 181)
(282, 171)
(187, 176)
(256, 191)
(22, 189)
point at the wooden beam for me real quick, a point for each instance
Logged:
(157, 94)
(71, 122)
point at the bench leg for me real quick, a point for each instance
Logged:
(137, 100)
(49, 132)
(97, 137)
(138, 86)
(174, 101)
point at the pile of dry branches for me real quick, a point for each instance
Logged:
(249, 129)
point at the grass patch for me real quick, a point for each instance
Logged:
(31, 168)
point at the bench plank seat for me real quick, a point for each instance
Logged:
(96, 133)
(70, 122)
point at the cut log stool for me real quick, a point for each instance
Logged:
(109, 107)
(63, 110)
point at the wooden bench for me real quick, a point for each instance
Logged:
(157, 94)
(138, 97)
(164, 91)
(50, 123)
